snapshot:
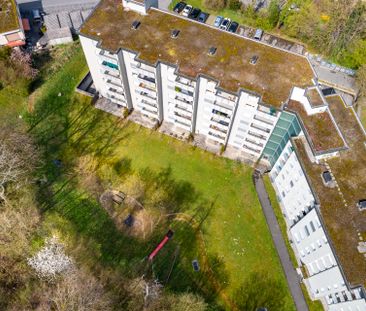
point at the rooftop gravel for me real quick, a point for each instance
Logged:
(273, 76)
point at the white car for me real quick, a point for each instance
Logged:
(225, 24)
(187, 10)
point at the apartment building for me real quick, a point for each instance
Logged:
(157, 83)
(11, 28)
(169, 71)
(321, 271)
(292, 188)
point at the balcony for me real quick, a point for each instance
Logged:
(218, 129)
(111, 89)
(263, 120)
(183, 109)
(220, 121)
(145, 85)
(186, 85)
(110, 65)
(183, 91)
(257, 135)
(149, 112)
(218, 137)
(260, 128)
(147, 96)
(254, 142)
(252, 149)
(182, 124)
(114, 83)
(111, 74)
(183, 100)
(223, 105)
(220, 113)
(108, 56)
(182, 115)
(153, 105)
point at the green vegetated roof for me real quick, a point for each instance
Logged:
(8, 16)
(342, 218)
(273, 76)
(320, 127)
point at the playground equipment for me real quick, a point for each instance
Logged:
(165, 240)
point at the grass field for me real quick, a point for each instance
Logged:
(220, 224)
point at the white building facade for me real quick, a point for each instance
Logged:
(322, 274)
(159, 94)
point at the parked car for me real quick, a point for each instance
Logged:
(194, 13)
(218, 21)
(258, 34)
(203, 17)
(196, 266)
(233, 27)
(225, 24)
(187, 9)
(179, 7)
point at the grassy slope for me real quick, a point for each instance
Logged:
(313, 305)
(236, 213)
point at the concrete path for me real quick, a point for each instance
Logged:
(290, 273)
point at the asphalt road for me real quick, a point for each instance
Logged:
(290, 273)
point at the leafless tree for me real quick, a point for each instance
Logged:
(18, 156)
(23, 62)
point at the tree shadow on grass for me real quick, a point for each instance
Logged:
(260, 289)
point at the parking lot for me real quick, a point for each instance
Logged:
(247, 32)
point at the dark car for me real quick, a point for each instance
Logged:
(194, 13)
(202, 17)
(179, 7)
(196, 266)
(233, 27)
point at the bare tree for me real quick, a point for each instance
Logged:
(23, 62)
(18, 156)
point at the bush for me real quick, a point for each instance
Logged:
(234, 5)
(215, 4)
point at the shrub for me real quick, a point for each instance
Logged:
(215, 4)
(234, 5)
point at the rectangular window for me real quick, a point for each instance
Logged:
(312, 226)
(306, 230)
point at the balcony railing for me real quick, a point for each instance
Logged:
(222, 122)
(216, 128)
(258, 127)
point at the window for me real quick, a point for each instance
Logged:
(306, 230)
(283, 194)
(291, 183)
(312, 226)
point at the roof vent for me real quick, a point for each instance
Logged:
(135, 25)
(174, 33)
(253, 59)
(212, 50)
(362, 204)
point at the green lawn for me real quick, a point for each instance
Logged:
(236, 247)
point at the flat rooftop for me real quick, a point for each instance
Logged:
(320, 128)
(273, 76)
(8, 16)
(344, 222)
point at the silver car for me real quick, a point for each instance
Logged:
(187, 10)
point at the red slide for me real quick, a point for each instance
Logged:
(167, 237)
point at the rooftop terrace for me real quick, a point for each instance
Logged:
(320, 127)
(273, 76)
(8, 16)
(344, 222)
